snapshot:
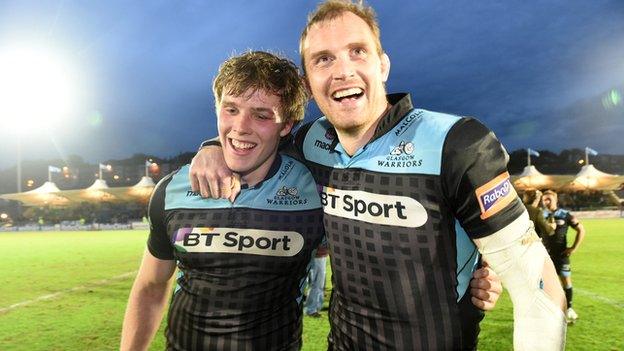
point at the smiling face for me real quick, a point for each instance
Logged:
(346, 73)
(250, 128)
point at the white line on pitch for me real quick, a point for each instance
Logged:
(600, 298)
(63, 292)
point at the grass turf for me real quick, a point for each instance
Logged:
(92, 274)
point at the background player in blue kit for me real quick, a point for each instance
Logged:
(557, 244)
(243, 264)
(409, 196)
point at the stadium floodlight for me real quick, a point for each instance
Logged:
(36, 89)
(36, 93)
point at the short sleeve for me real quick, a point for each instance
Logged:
(475, 180)
(571, 220)
(295, 150)
(158, 242)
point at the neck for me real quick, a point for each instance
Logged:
(254, 177)
(354, 139)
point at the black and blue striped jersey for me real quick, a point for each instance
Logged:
(558, 242)
(399, 218)
(242, 264)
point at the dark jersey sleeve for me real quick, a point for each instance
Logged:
(295, 149)
(571, 220)
(158, 242)
(475, 180)
(210, 142)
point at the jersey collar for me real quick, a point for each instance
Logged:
(401, 105)
(275, 166)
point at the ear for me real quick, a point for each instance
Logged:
(286, 128)
(306, 84)
(385, 67)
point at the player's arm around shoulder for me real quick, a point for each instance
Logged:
(147, 301)
(209, 174)
(479, 190)
(485, 288)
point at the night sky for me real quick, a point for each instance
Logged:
(545, 75)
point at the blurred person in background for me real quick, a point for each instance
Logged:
(557, 244)
(316, 282)
(532, 200)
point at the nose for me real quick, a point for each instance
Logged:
(343, 68)
(241, 123)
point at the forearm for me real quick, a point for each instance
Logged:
(580, 235)
(517, 255)
(143, 314)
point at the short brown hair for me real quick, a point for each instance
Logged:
(260, 70)
(331, 9)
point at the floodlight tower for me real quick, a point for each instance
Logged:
(36, 93)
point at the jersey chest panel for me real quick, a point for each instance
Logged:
(391, 234)
(243, 264)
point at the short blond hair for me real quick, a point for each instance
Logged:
(260, 70)
(331, 9)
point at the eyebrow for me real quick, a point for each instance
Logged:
(356, 44)
(262, 109)
(227, 103)
(317, 54)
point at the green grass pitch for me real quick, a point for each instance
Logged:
(68, 291)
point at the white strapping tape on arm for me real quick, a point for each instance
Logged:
(517, 255)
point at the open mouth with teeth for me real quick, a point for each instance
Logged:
(351, 93)
(239, 145)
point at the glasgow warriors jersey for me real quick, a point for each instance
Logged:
(242, 264)
(557, 243)
(399, 217)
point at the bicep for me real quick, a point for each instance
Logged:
(475, 180)
(154, 270)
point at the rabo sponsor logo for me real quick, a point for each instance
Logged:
(489, 199)
(237, 240)
(495, 195)
(374, 208)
